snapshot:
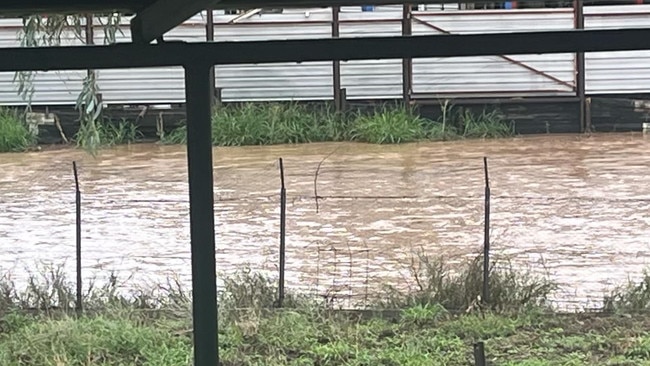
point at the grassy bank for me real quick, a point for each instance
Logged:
(135, 331)
(274, 123)
(279, 123)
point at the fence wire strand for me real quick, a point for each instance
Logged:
(328, 253)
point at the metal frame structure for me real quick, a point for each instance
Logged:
(198, 60)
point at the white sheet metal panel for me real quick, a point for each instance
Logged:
(495, 21)
(148, 85)
(551, 74)
(280, 81)
(50, 88)
(607, 72)
(274, 82)
(617, 72)
(372, 79)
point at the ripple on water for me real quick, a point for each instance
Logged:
(575, 207)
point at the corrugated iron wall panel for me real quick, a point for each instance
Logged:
(148, 85)
(52, 87)
(551, 74)
(617, 72)
(372, 79)
(279, 81)
(607, 72)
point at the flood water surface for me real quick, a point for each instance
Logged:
(577, 207)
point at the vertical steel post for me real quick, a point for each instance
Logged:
(199, 161)
(79, 304)
(336, 65)
(407, 63)
(90, 36)
(479, 354)
(283, 233)
(209, 36)
(579, 23)
(486, 237)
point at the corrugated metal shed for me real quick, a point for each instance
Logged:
(54, 87)
(550, 74)
(541, 75)
(280, 81)
(372, 79)
(617, 72)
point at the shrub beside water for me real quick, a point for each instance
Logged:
(14, 132)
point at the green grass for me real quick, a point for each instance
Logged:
(632, 296)
(286, 123)
(14, 132)
(392, 125)
(153, 327)
(106, 133)
(280, 123)
(436, 283)
(268, 124)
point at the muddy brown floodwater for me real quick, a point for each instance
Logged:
(575, 206)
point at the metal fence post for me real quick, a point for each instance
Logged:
(486, 238)
(283, 223)
(79, 304)
(580, 78)
(479, 354)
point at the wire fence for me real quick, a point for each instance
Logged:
(352, 227)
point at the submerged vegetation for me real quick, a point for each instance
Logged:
(277, 123)
(153, 327)
(106, 133)
(280, 123)
(15, 134)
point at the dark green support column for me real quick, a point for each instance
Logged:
(198, 104)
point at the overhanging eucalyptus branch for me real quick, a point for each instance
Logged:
(39, 31)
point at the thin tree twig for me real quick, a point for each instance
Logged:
(316, 176)
(57, 123)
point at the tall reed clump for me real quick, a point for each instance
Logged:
(106, 133)
(280, 123)
(269, 124)
(487, 124)
(390, 125)
(631, 297)
(436, 283)
(15, 135)
(455, 123)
